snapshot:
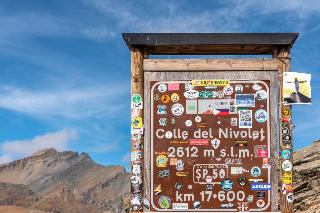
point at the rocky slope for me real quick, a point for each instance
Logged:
(63, 182)
(306, 179)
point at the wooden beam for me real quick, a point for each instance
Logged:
(210, 64)
(285, 206)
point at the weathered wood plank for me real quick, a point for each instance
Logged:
(210, 64)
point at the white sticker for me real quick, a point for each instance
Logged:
(238, 88)
(234, 121)
(290, 198)
(137, 105)
(228, 90)
(168, 134)
(177, 109)
(215, 143)
(198, 119)
(162, 88)
(191, 94)
(209, 179)
(260, 203)
(188, 85)
(256, 87)
(236, 170)
(179, 205)
(287, 165)
(188, 123)
(261, 95)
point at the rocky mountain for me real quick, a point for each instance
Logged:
(52, 181)
(306, 178)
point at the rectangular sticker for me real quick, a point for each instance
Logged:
(236, 170)
(191, 106)
(180, 206)
(245, 100)
(255, 180)
(210, 82)
(164, 173)
(137, 105)
(261, 186)
(241, 143)
(261, 194)
(198, 142)
(172, 87)
(263, 153)
(245, 118)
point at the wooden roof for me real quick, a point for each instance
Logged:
(208, 43)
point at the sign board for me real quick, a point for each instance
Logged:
(210, 145)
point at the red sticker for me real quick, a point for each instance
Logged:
(198, 142)
(173, 87)
(263, 153)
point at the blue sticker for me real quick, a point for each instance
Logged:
(286, 154)
(261, 115)
(260, 186)
(226, 184)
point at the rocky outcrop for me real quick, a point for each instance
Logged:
(306, 178)
(67, 182)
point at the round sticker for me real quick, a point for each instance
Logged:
(261, 95)
(180, 165)
(287, 165)
(136, 98)
(286, 113)
(161, 161)
(242, 181)
(255, 171)
(256, 87)
(261, 115)
(198, 119)
(260, 203)
(228, 90)
(136, 179)
(162, 88)
(191, 94)
(290, 198)
(164, 202)
(168, 134)
(196, 204)
(220, 94)
(188, 123)
(226, 184)
(285, 131)
(175, 97)
(136, 199)
(177, 109)
(214, 94)
(286, 154)
(209, 179)
(238, 88)
(287, 178)
(136, 188)
(178, 186)
(165, 99)
(137, 122)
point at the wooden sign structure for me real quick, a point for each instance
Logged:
(209, 139)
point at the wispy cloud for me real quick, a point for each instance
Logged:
(126, 157)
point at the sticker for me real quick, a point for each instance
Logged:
(209, 179)
(196, 204)
(182, 174)
(161, 109)
(287, 165)
(241, 143)
(136, 199)
(137, 146)
(181, 206)
(215, 143)
(256, 87)
(163, 121)
(174, 97)
(135, 157)
(164, 173)
(180, 165)
(221, 111)
(228, 90)
(198, 119)
(285, 131)
(242, 181)
(284, 124)
(162, 88)
(168, 134)
(245, 100)
(234, 121)
(287, 178)
(161, 161)
(245, 118)
(189, 186)
(188, 123)
(136, 137)
(220, 94)
(157, 189)
(255, 180)
(286, 113)
(260, 203)
(164, 202)
(137, 105)
(259, 147)
(266, 163)
(210, 88)
(261, 115)
(135, 113)
(191, 94)
(292, 127)
(178, 186)
(136, 131)
(246, 85)
(226, 184)
(136, 179)
(209, 187)
(261, 95)
(263, 153)
(156, 97)
(226, 205)
(177, 109)
(285, 120)
(173, 121)
(210, 82)
(136, 98)
(261, 195)
(255, 171)
(137, 122)
(191, 106)
(165, 98)
(290, 198)
(188, 85)
(262, 106)
(261, 186)
(135, 208)
(198, 142)
(287, 187)
(205, 94)
(249, 198)
(174, 86)
(233, 107)
(173, 161)
(146, 202)
(286, 139)
(238, 88)
(236, 170)
(136, 188)
(286, 154)
(243, 206)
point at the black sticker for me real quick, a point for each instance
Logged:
(241, 143)
(196, 204)
(242, 181)
(209, 187)
(261, 194)
(164, 173)
(286, 139)
(179, 186)
(136, 188)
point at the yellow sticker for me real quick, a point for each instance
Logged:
(175, 97)
(161, 161)
(287, 178)
(137, 122)
(286, 113)
(210, 82)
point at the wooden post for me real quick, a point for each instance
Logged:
(284, 66)
(137, 88)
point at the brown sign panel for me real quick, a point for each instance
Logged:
(210, 145)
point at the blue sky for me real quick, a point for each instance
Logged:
(65, 69)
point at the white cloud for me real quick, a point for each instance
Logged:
(126, 157)
(98, 34)
(58, 140)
